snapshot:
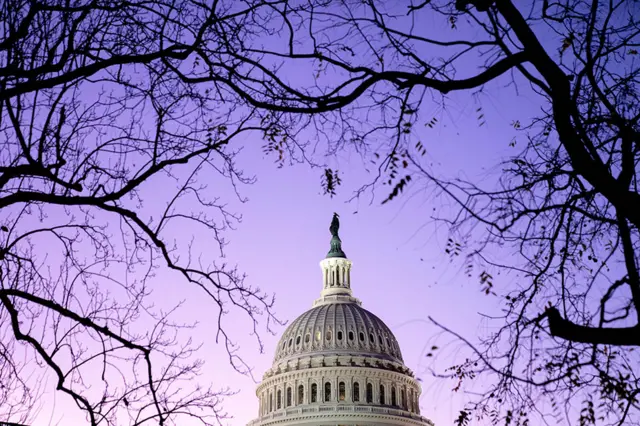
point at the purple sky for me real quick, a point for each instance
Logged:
(400, 274)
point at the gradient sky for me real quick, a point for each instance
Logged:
(401, 272)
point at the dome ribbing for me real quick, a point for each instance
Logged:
(338, 329)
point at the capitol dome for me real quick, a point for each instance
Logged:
(338, 364)
(344, 328)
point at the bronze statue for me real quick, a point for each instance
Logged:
(335, 225)
(336, 244)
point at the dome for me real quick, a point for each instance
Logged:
(338, 364)
(338, 328)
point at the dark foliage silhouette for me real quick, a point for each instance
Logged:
(568, 203)
(101, 104)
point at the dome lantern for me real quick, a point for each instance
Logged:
(336, 271)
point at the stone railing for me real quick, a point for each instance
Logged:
(338, 409)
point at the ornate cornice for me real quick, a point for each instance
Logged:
(343, 413)
(335, 360)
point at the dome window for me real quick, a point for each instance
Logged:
(380, 340)
(314, 392)
(327, 392)
(328, 335)
(307, 338)
(298, 340)
(351, 335)
(369, 393)
(289, 396)
(279, 401)
(388, 344)
(382, 396)
(394, 400)
(371, 339)
(339, 335)
(290, 342)
(341, 391)
(361, 336)
(356, 392)
(318, 335)
(300, 394)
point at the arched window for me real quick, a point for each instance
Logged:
(394, 400)
(369, 393)
(314, 392)
(327, 392)
(289, 397)
(270, 402)
(351, 335)
(356, 392)
(339, 335)
(403, 400)
(341, 391)
(279, 404)
(382, 398)
(300, 394)
(410, 400)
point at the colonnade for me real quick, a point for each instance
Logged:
(339, 390)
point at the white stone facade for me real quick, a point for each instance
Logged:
(338, 364)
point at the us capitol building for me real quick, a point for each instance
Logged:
(338, 364)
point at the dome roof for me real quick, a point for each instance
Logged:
(337, 363)
(338, 328)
